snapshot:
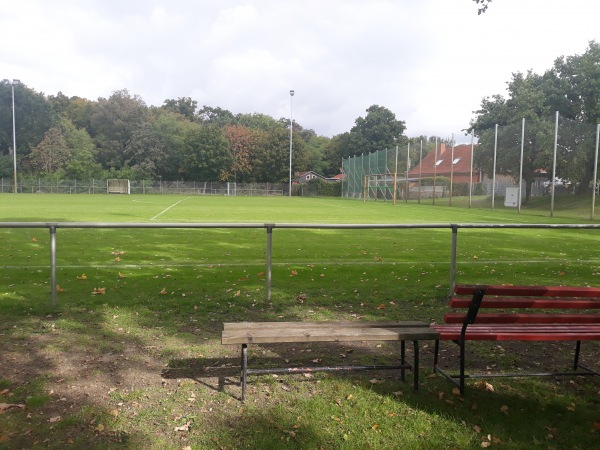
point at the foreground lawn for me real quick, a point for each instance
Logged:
(131, 355)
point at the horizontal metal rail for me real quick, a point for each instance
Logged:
(269, 227)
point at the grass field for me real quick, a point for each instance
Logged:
(131, 356)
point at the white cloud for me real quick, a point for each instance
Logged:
(430, 62)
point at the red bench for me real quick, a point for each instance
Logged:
(563, 314)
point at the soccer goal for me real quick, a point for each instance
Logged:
(117, 186)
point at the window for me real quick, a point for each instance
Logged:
(438, 162)
(456, 160)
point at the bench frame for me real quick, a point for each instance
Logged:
(245, 333)
(461, 327)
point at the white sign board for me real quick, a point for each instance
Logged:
(512, 197)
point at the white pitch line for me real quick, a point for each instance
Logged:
(166, 209)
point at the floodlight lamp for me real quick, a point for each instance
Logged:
(292, 92)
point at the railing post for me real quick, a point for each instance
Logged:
(53, 264)
(453, 258)
(269, 259)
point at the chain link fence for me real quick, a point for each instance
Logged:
(59, 186)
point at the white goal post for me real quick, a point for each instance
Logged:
(117, 186)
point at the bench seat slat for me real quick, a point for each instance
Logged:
(524, 318)
(230, 326)
(326, 334)
(546, 303)
(498, 332)
(532, 291)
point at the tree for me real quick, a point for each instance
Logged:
(82, 164)
(272, 159)
(215, 116)
(183, 105)
(526, 101)
(571, 87)
(51, 154)
(206, 154)
(144, 151)
(378, 130)
(172, 130)
(34, 116)
(242, 144)
(483, 5)
(258, 121)
(113, 123)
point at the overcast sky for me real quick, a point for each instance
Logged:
(428, 61)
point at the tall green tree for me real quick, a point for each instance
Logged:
(272, 158)
(113, 123)
(207, 155)
(183, 105)
(378, 130)
(216, 116)
(82, 164)
(242, 143)
(52, 153)
(34, 115)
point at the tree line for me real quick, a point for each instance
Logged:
(122, 137)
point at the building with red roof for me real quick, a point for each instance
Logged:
(455, 164)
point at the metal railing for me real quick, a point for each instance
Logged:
(53, 226)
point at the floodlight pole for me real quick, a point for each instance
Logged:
(12, 84)
(291, 136)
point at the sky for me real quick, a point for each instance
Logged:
(430, 62)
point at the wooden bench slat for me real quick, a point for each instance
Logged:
(532, 291)
(326, 334)
(546, 303)
(524, 318)
(521, 333)
(231, 326)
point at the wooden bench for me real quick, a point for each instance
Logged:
(245, 333)
(560, 314)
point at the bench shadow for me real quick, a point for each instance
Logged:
(218, 374)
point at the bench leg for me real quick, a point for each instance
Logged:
(461, 343)
(436, 351)
(415, 370)
(402, 359)
(244, 374)
(577, 350)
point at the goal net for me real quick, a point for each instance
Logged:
(117, 186)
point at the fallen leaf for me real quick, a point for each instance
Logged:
(54, 419)
(504, 409)
(98, 291)
(121, 275)
(382, 306)
(571, 407)
(477, 428)
(294, 272)
(34, 239)
(117, 259)
(456, 391)
(7, 406)
(485, 444)
(185, 427)
(4, 438)
(164, 291)
(374, 427)
(485, 386)
(237, 293)
(375, 381)
(83, 276)
(59, 289)
(100, 428)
